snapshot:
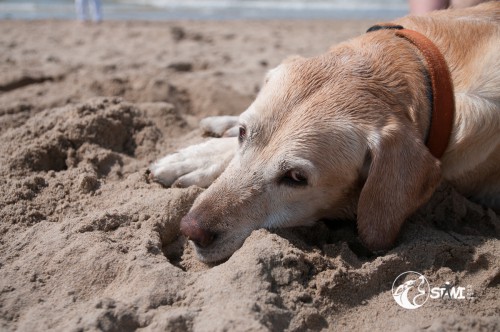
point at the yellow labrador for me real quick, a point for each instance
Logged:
(342, 135)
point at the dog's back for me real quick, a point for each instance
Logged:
(470, 41)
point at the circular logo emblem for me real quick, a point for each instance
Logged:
(411, 290)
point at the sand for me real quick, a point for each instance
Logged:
(87, 243)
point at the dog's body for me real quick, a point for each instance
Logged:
(341, 135)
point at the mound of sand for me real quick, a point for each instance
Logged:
(87, 243)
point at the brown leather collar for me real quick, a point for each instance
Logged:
(443, 102)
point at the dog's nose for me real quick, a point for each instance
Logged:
(191, 229)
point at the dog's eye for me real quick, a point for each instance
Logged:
(293, 177)
(243, 134)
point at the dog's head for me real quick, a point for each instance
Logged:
(327, 137)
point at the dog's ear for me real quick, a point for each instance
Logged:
(402, 176)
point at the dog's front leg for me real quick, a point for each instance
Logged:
(197, 165)
(203, 163)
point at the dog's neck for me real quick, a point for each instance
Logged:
(440, 93)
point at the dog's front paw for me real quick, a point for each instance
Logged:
(220, 126)
(197, 165)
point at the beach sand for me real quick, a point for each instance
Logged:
(87, 243)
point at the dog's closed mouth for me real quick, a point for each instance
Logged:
(201, 249)
(211, 252)
(222, 247)
(204, 243)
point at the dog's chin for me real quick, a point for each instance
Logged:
(220, 250)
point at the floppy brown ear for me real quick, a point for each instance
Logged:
(402, 176)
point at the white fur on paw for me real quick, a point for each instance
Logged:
(197, 165)
(218, 125)
(232, 132)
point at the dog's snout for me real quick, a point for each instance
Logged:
(191, 229)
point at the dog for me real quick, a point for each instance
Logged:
(343, 135)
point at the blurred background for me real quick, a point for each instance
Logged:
(210, 9)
